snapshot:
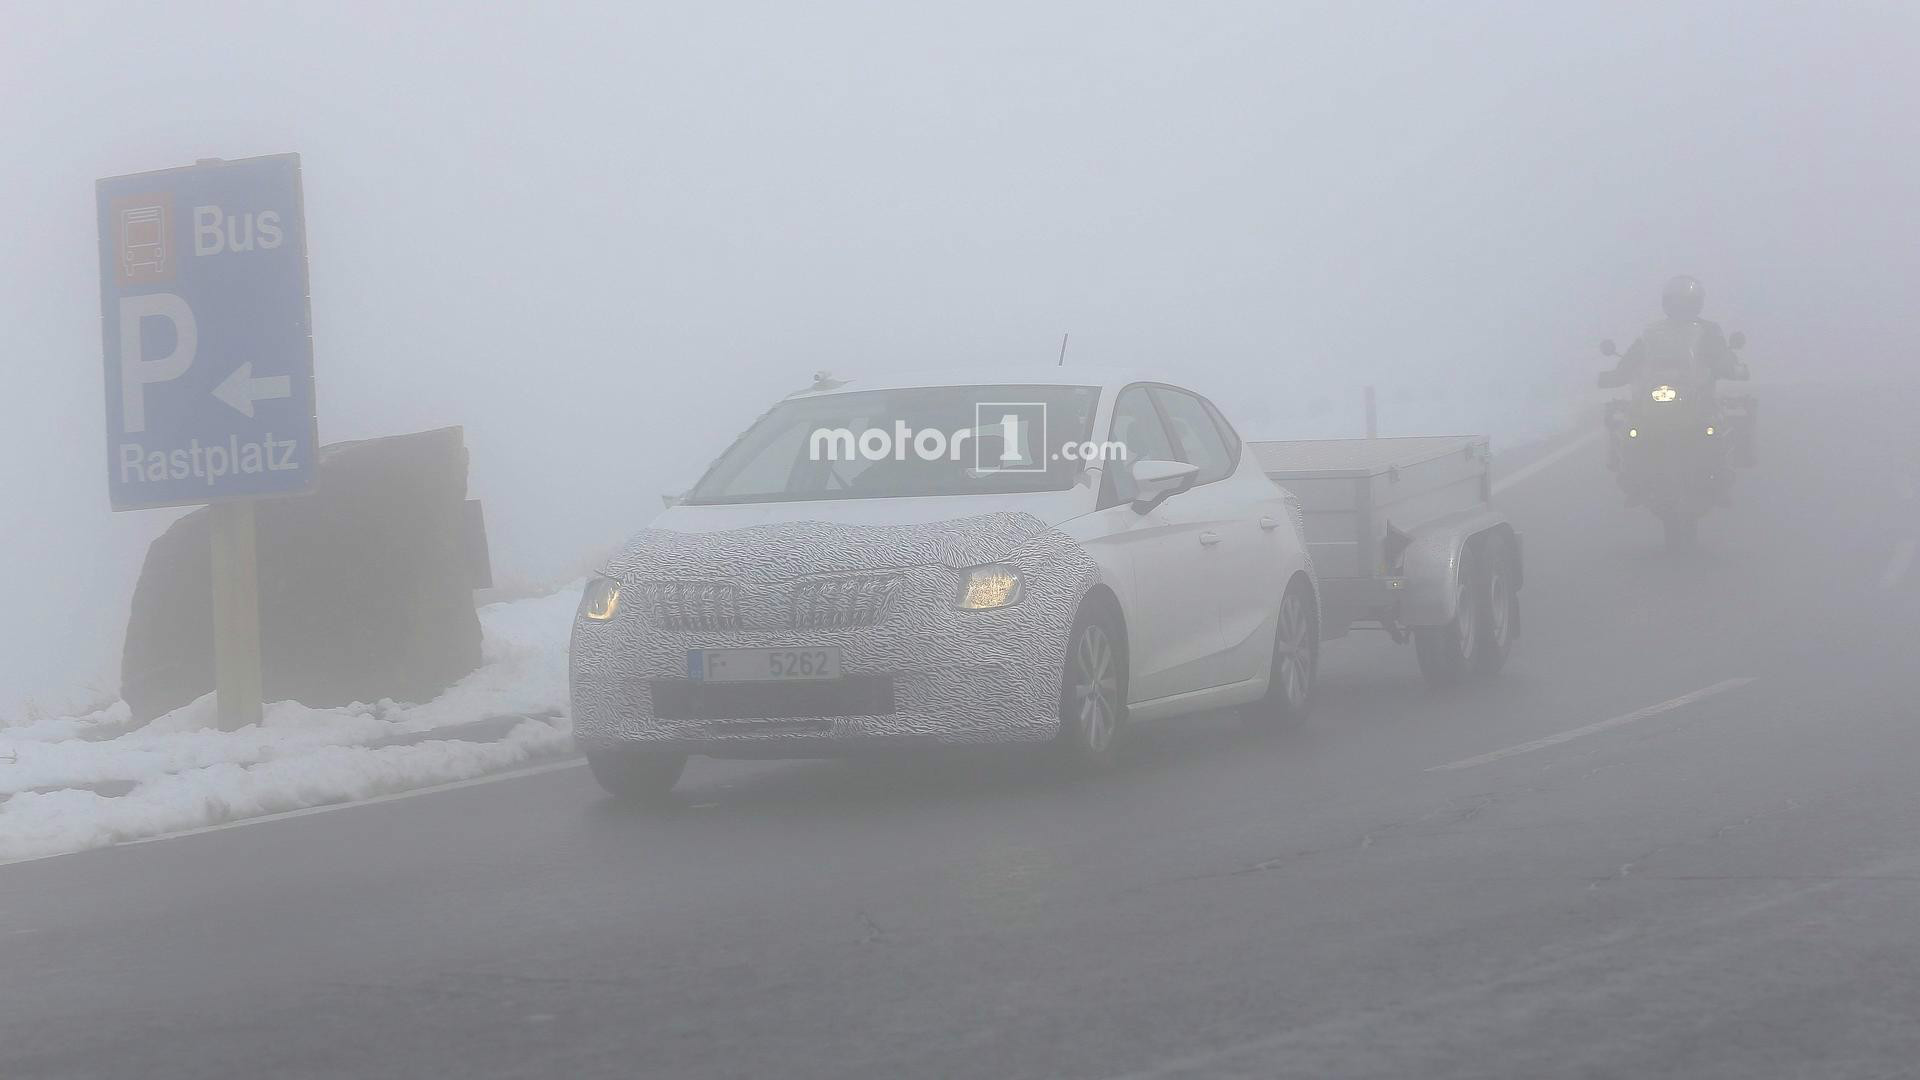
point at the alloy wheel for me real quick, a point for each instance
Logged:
(1293, 649)
(1095, 687)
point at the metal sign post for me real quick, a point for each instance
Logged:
(236, 616)
(209, 368)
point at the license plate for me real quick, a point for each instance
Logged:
(762, 665)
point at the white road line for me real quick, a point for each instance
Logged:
(1501, 484)
(1897, 567)
(395, 796)
(1569, 736)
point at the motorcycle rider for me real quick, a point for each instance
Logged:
(1687, 350)
(1683, 342)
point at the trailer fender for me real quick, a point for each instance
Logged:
(1431, 564)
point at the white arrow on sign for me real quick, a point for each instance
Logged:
(240, 389)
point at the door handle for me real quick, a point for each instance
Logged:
(1269, 522)
(1209, 538)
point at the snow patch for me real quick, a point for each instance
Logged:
(186, 773)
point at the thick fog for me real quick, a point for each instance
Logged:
(602, 238)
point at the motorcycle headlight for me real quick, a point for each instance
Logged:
(983, 588)
(601, 601)
(1665, 394)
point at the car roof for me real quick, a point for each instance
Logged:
(1026, 375)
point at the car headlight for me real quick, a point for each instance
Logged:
(985, 587)
(1664, 394)
(601, 601)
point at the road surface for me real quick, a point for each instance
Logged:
(1621, 859)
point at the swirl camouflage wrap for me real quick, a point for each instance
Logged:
(914, 668)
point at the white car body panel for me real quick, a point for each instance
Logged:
(1051, 507)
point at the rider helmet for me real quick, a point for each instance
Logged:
(1683, 298)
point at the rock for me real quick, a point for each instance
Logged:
(365, 585)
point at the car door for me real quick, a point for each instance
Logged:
(1243, 590)
(1173, 629)
(1272, 559)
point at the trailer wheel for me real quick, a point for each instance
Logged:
(1447, 653)
(1499, 590)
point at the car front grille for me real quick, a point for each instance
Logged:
(831, 603)
(723, 607)
(690, 607)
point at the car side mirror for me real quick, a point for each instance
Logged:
(671, 501)
(1607, 349)
(1155, 481)
(1737, 341)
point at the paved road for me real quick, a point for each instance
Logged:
(1729, 887)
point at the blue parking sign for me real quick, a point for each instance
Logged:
(208, 333)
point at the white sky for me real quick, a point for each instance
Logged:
(603, 237)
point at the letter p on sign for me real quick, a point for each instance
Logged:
(136, 370)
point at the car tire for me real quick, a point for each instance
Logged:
(1294, 675)
(1446, 653)
(1093, 690)
(643, 777)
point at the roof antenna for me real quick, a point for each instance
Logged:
(1063, 351)
(822, 380)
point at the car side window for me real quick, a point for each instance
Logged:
(1195, 434)
(1136, 426)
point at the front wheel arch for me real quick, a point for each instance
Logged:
(1303, 580)
(1100, 594)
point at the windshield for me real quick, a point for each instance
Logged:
(880, 444)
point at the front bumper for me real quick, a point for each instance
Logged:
(922, 674)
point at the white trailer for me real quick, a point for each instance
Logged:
(1404, 537)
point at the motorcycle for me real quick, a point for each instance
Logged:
(1674, 443)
